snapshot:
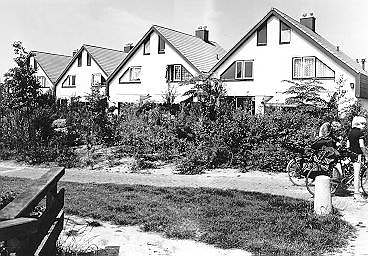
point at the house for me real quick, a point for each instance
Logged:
(89, 67)
(48, 67)
(160, 61)
(280, 48)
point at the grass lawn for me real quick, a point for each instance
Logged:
(263, 224)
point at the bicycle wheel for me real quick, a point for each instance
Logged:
(295, 171)
(364, 179)
(316, 170)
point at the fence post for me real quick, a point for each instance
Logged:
(322, 195)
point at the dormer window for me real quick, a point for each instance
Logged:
(262, 35)
(88, 59)
(80, 60)
(146, 47)
(285, 33)
(161, 45)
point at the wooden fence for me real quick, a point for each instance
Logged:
(25, 234)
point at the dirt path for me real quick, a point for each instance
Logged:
(354, 212)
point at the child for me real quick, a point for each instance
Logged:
(356, 145)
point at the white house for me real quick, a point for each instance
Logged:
(48, 67)
(280, 48)
(90, 66)
(161, 58)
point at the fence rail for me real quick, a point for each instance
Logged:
(28, 235)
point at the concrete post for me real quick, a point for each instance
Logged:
(322, 195)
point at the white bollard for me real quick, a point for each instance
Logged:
(322, 195)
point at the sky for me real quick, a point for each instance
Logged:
(61, 26)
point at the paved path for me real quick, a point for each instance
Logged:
(354, 212)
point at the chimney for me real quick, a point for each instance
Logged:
(202, 33)
(363, 64)
(309, 21)
(128, 47)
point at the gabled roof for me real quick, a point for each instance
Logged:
(198, 53)
(106, 59)
(52, 64)
(306, 33)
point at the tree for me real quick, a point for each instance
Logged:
(21, 85)
(208, 91)
(305, 93)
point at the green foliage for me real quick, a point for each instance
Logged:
(305, 92)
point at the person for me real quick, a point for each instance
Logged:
(327, 143)
(356, 145)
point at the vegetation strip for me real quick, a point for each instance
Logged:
(261, 223)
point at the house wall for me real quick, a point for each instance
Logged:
(83, 81)
(153, 74)
(273, 63)
(48, 84)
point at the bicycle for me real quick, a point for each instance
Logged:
(338, 181)
(299, 166)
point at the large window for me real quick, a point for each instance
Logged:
(285, 33)
(42, 81)
(262, 35)
(177, 73)
(88, 59)
(311, 67)
(244, 69)
(69, 81)
(135, 74)
(161, 45)
(146, 48)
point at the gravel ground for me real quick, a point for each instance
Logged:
(354, 212)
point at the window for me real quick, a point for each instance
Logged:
(42, 81)
(146, 48)
(244, 69)
(98, 79)
(69, 81)
(177, 73)
(262, 35)
(34, 64)
(285, 33)
(161, 45)
(135, 74)
(311, 67)
(88, 59)
(80, 60)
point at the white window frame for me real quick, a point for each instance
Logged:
(288, 31)
(94, 82)
(131, 78)
(177, 79)
(42, 81)
(242, 73)
(68, 81)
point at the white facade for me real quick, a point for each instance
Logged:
(152, 80)
(81, 85)
(272, 63)
(45, 82)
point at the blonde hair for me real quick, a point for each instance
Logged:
(357, 120)
(324, 130)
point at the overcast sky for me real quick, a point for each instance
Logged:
(60, 26)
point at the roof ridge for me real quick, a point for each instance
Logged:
(209, 42)
(51, 53)
(103, 47)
